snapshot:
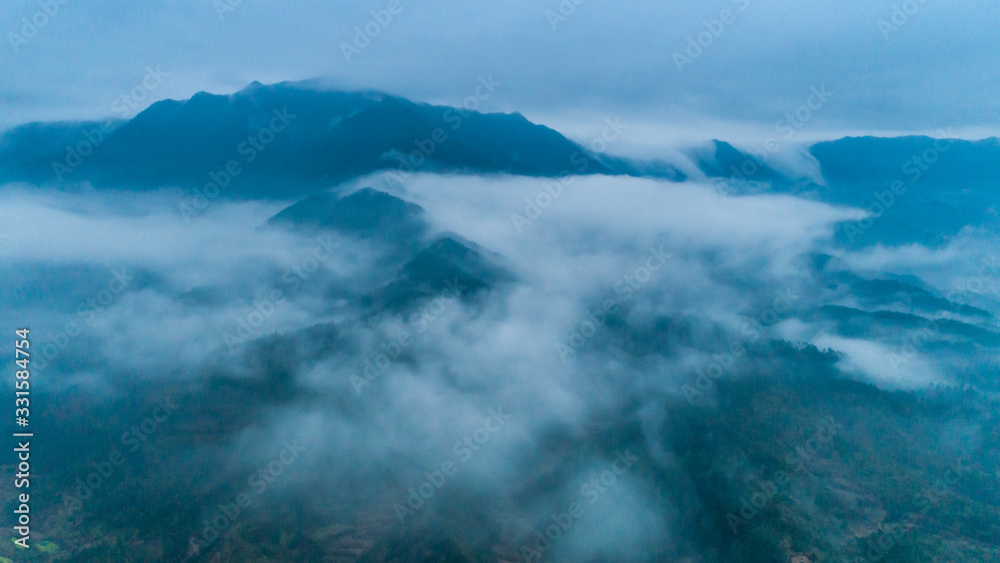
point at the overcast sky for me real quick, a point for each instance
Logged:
(930, 69)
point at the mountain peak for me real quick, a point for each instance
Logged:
(292, 138)
(366, 213)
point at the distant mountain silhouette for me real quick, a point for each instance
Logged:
(722, 160)
(742, 173)
(921, 189)
(366, 213)
(449, 268)
(879, 161)
(288, 138)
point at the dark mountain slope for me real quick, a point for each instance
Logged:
(290, 138)
(366, 213)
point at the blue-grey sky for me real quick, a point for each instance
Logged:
(929, 64)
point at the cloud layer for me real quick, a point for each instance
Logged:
(626, 290)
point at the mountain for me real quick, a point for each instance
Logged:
(918, 189)
(366, 213)
(877, 161)
(448, 268)
(27, 152)
(722, 160)
(289, 138)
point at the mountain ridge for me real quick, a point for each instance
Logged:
(291, 139)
